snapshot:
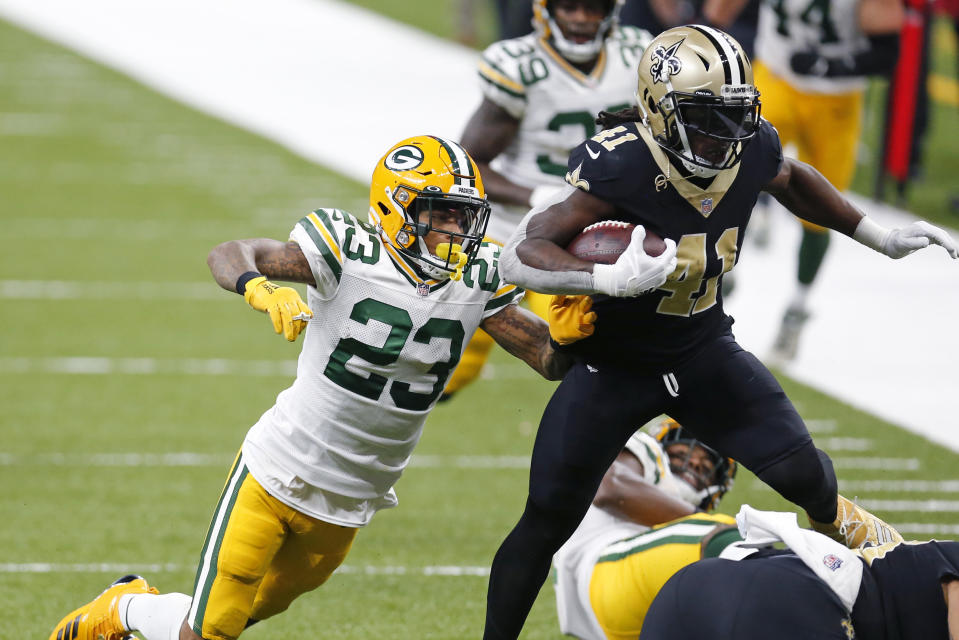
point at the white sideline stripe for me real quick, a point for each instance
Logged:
(938, 506)
(845, 444)
(115, 568)
(149, 366)
(906, 486)
(927, 529)
(85, 290)
(887, 464)
(820, 426)
(193, 459)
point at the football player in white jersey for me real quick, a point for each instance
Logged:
(812, 62)
(612, 566)
(541, 95)
(392, 303)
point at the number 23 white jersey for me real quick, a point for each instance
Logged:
(374, 360)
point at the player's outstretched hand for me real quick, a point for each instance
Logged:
(287, 310)
(917, 235)
(570, 318)
(635, 272)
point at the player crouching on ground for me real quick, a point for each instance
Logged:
(395, 301)
(614, 564)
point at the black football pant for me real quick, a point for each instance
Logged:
(753, 599)
(724, 396)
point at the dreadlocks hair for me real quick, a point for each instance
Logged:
(607, 119)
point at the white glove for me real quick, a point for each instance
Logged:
(634, 272)
(898, 243)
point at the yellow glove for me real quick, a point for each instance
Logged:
(570, 318)
(287, 310)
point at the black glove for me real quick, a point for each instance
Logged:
(807, 63)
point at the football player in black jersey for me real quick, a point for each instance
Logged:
(908, 591)
(688, 164)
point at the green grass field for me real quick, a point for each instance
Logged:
(128, 378)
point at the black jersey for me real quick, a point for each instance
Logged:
(900, 597)
(706, 219)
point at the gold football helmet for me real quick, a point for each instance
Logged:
(417, 178)
(545, 27)
(724, 469)
(697, 97)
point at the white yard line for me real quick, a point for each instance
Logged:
(902, 486)
(195, 459)
(923, 506)
(119, 568)
(148, 366)
(331, 82)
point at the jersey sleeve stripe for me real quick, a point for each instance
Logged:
(325, 239)
(509, 294)
(488, 73)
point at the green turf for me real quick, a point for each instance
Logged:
(103, 181)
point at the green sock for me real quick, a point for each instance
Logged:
(812, 250)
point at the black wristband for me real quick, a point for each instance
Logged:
(243, 279)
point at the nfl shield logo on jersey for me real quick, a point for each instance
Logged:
(832, 562)
(707, 206)
(423, 289)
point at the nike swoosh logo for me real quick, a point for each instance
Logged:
(592, 154)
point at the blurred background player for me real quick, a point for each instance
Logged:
(541, 94)
(397, 297)
(611, 568)
(812, 62)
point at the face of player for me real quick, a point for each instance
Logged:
(579, 20)
(444, 219)
(694, 466)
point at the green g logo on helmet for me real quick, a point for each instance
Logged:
(404, 158)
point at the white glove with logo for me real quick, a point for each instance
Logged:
(634, 272)
(898, 243)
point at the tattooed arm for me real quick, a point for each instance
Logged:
(526, 336)
(272, 258)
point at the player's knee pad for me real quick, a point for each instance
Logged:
(806, 478)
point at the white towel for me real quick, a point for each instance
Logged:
(835, 565)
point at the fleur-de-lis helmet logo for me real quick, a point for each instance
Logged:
(665, 62)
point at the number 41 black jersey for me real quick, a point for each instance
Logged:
(706, 218)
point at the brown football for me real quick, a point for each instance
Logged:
(602, 242)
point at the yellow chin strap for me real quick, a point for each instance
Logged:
(452, 253)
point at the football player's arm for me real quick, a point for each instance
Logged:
(535, 257)
(625, 492)
(805, 192)
(490, 130)
(950, 591)
(881, 21)
(526, 336)
(244, 266)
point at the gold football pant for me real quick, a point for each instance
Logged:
(478, 348)
(627, 578)
(824, 127)
(259, 556)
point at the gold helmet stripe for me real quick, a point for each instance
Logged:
(732, 62)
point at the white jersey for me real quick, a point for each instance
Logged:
(830, 27)
(375, 358)
(573, 563)
(556, 105)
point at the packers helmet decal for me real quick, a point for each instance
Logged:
(670, 432)
(404, 158)
(417, 181)
(696, 95)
